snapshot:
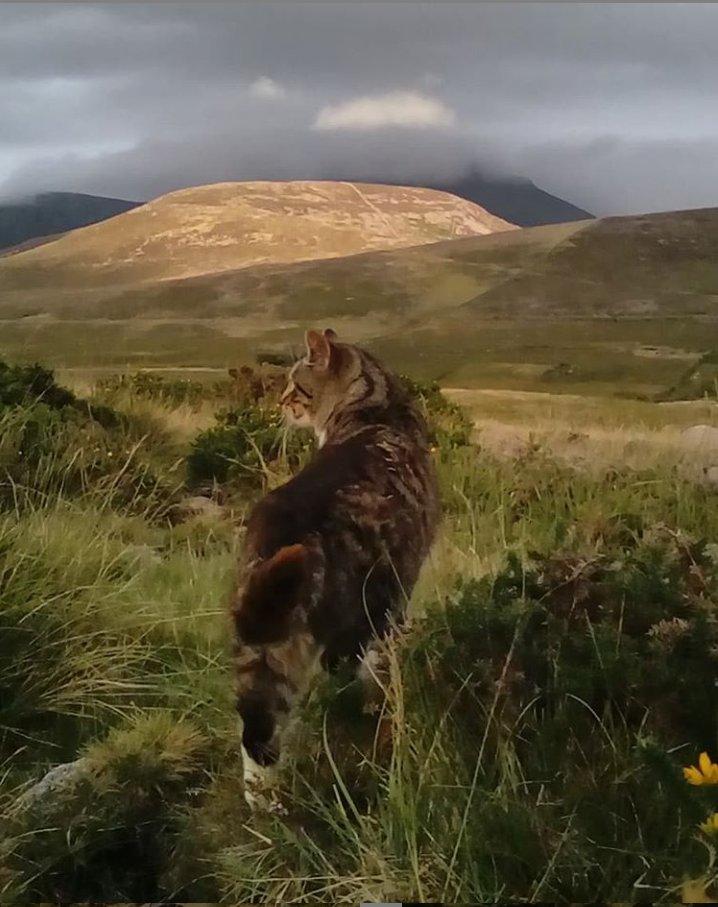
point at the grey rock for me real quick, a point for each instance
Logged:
(199, 505)
(705, 436)
(59, 779)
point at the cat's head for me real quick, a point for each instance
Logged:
(327, 378)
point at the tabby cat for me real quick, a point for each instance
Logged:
(332, 556)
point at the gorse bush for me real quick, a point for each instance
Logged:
(30, 385)
(242, 446)
(630, 632)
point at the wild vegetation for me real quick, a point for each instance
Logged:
(556, 677)
(534, 309)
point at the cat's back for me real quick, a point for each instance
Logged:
(377, 472)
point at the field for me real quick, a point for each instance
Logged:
(557, 675)
(532, 310)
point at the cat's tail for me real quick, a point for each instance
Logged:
(275, 587)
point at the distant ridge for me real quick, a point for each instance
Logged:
(515, 199)
(50, 213)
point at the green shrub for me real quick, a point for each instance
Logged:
(241, 447)
(632, 632)
(25, 384)
(28, 385)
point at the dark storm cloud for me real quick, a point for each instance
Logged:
(611, 105)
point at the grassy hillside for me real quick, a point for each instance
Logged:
(557, 675)
(621, 304)
(218, 227)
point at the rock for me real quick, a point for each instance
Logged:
(710, 476)
(199, 505)
(701, 436)
(58, 780)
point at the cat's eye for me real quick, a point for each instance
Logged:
(302, 390)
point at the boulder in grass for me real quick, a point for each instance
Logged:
(705, 436)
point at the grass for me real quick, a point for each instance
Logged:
(535, 309)
(556, 674)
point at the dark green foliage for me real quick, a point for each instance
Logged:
(241, 446)
(24, 384)
(574, 677)
(631, 632)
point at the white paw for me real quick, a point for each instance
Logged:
(258, 784)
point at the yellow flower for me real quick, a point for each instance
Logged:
(710, 826)
(706, 773)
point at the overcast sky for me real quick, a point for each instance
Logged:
(610, 105)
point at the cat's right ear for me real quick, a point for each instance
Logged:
(319, 350)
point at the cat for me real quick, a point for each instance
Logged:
(332, 556)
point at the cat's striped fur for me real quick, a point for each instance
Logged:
(332, 556)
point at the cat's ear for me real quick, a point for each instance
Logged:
(331, 335)
(319, 349)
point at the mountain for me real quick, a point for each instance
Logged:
(232, 225)
(25, 225)
(515, 199)
(53, 213)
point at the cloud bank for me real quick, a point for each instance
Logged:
(610, 105)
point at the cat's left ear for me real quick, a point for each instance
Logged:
(319, 347)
